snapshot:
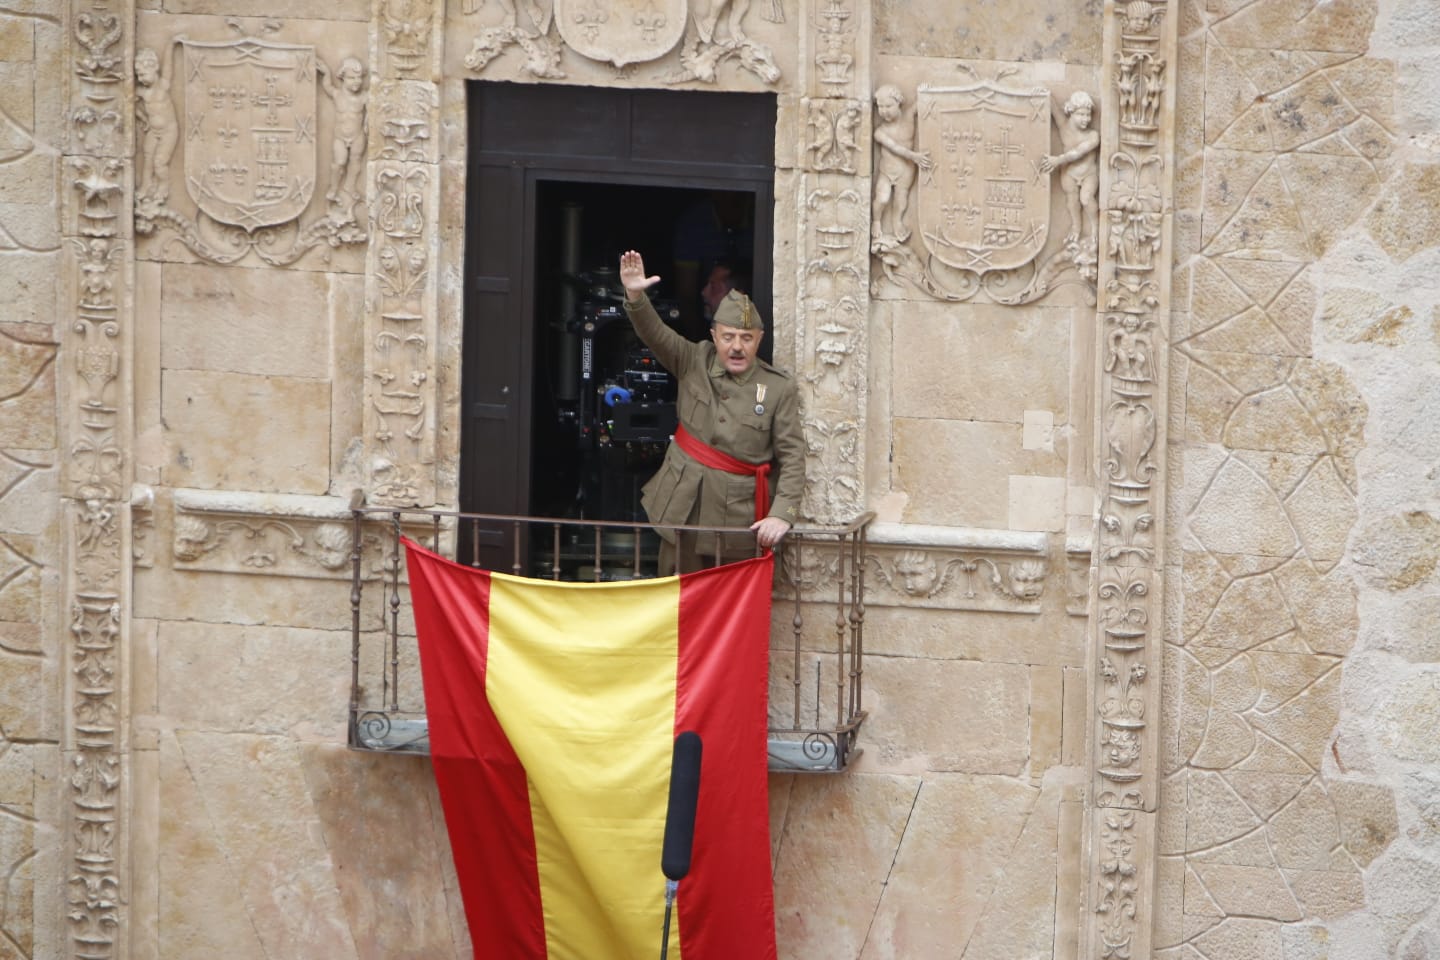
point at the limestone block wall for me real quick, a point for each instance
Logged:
(1298, 796)
(31, 545)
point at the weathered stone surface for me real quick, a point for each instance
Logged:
(1405, 219)
(273, 323)
(246, 432)
(1072, 35)
(27, 387)
(1305, 831)
(1265, 221)
(1249, 612)
(195, 873)
(1304, 723)
(1367, 818)
(221, 677)
(1408, 718)
(1240, 514)
(932, 456)
(165, 594)
(28, 179)
(917, 706)
(1047, 697)
(381, 817)
(1214, 813)
(1398, 551)
(26, 277)
(932, 901)
(1020, 917)
(1401, 889)
(955, 369)
(1295, 25)
(826, 892)
(1242, 938)
(1248, 891)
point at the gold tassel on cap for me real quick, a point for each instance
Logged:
(737, 310)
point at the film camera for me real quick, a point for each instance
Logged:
(618, 400)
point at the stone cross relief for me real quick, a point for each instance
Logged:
(960, 203)
(244, 126)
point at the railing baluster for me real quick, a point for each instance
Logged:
(555, 551)
(475, 542)
(355, 587)
(394, 678)
(515, 567)
(840, 621)
(597, 530)
(797, 622)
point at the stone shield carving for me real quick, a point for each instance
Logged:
(250, 137)
(985, 204)
(621, 31)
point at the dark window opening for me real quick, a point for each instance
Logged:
(565, 412)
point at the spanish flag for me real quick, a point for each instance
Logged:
(553, 711)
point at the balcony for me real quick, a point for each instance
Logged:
(817, 621)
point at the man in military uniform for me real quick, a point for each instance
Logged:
(737, 414)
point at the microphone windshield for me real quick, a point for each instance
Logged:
(680, 815)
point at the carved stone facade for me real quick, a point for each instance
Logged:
(1119, 317)
(96, 466)
(1128, 553)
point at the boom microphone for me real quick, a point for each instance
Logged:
(680, 815)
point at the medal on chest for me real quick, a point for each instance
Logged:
(759, 399)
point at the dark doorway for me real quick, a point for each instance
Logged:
(565, 415)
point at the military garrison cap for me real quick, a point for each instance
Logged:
(736, 310)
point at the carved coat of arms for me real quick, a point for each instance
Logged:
(985, 204)
(250, 130)
(621, 31)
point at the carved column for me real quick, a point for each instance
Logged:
(402, 282)
(95, 416)
(1133, 325)
(832, 294)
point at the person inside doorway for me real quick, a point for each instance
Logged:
(737, 414)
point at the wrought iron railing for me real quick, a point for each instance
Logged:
(817, 633)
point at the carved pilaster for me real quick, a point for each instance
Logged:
(1137, 127)
(96, 302)
(402, 279)
(831, 342)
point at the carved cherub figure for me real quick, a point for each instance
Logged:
(895, 164)
(1079, 177)
(347, 152)
(918, 573)
(155, 114)
(1129, 350)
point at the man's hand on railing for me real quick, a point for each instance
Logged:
(770, 531)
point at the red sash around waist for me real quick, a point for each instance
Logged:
(716, 460)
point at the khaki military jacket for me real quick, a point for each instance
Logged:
(754, 417)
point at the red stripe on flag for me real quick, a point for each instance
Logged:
(726, 904)
(483, 788)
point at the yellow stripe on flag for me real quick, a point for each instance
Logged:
(591, 715)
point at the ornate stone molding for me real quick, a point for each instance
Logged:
(96, 300)
(286, 535)
(1132, 329)
(402, 280)
(948, 568)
